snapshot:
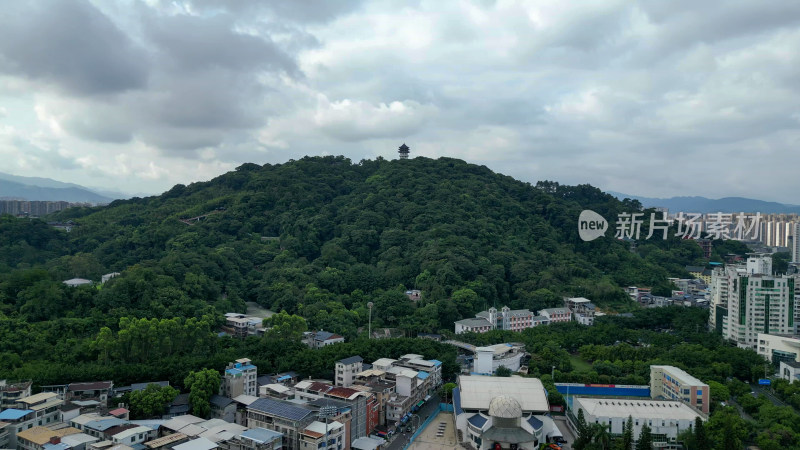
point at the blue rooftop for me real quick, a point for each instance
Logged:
(261, 435)
(535, 423)
(279, 409)
(457, 401)
(104, 424)
(233, 371)
(422, 375)
(14, 414)
(477, 420)
(284, 377)
(436, 362)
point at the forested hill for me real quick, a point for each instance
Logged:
(321, 237)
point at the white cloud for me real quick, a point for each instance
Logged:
(635, 97)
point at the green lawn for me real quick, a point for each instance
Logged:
(579, 364)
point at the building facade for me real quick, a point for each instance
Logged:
(775, 348)
(346, 370)
(239, 378)
(672, 383)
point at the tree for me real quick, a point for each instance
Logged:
(719, 392)
(151, 401)
(627, 435)
(446, 391)
(202, 385)
(645, 441)
(503, 371)
(286, 326)
(700, 437)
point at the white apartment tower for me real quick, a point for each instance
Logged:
(750, 300)
(796, 242)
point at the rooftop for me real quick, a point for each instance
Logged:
(196, 444)
(477, 392)
(261, 435)
(474, 322)
(351, 360)
(661, 409)
(14, 414)
(38, 398)
(168, 439)
(279, 409)
(681, 374)
(42, 435)
(90, 386)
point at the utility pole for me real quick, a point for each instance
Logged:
(370, 305)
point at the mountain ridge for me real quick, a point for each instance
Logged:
(698, 204)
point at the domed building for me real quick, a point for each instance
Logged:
(503, 413)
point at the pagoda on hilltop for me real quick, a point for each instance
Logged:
(403, 151)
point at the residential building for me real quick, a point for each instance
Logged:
(555, 315)
(360, 403)
(796, 242)
(346, 369)
(223, 408)
(46, 407)
(432, 368)
(78, 441)
(328, 435)
(4, 436)
(666, 419)
(489, 359)
(748, 300)
(37, 437)
(239, 378)
(511, 414)
(505, 319)
(93, 390)
(242, 325)
(12, 392)
(789, 371)
(582, 309)
(284, 417)
(672, 383)
(777, 348)
(256, 439)
(319, 339)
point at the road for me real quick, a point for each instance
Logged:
(765, 391)
(561, 422)
(400, 440)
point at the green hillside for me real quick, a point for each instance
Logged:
(322, 236)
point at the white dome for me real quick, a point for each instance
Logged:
(506, 407)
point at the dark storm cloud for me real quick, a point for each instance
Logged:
(71, 45)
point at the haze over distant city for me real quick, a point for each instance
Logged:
(658, 99)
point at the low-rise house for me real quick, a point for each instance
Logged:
(78, 441)
(256, 439)
(36, 438)
(319, 339)
(223, 408)
(46, 406)
(12, 392)
(92, 390)
(347, 368)
(555, 315)
(285, 417)
(314, 436)
(166, 442)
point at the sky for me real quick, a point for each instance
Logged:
(653, 98)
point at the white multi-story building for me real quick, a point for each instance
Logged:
(346, 370)
(748, 300)
(239, 379)
(796, 243)
(505, 319)
(775, 348)
(666, 419)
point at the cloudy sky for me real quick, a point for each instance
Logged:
(655, 98)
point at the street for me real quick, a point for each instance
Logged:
(561, 422)
(430, 407)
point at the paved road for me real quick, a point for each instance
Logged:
(400, 440)
(763, 390)
(561, 422)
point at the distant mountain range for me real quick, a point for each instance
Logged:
(46, 189)
(710, 205)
